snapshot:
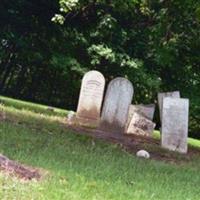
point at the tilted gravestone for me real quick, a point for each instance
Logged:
(144, 110)
(140, 125)
(116, 105)
(161, 96)
(90, 99)
(147, 110)
(175, 124)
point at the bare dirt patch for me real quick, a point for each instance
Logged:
(133, 143)
(14, 168)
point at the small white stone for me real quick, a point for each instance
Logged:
(70, 117)
(143, 154)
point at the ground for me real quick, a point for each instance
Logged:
(81, 167)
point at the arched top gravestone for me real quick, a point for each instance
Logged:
(116, 105)
(91, 96)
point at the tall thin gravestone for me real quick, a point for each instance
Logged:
(116, 105)
(175, 124)
(90, 99)
(161, 96)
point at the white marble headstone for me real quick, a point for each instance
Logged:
(91, 96)
(161, 96)
(116, 105)
(175, 124)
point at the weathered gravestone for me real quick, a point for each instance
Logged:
(116, 105)
(90, 99)
(175, 124)
(144, 110)
(147, 110)
(140, 125)
(161, 96)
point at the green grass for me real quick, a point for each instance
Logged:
(33, 107)
(79, 170)
(191, 141)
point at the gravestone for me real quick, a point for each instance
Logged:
(90, 99)
(147, 110)
(161, 96)
(140, 125)
(116, 105)
(175, 124)
(144, 110)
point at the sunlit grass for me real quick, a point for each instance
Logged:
(80, 168)
(191, 141)
(33, 107)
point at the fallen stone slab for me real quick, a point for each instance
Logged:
(142, 109)
(140, 125)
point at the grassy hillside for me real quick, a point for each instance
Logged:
(33, 107)
(78, 167)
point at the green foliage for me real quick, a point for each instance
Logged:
(58, 19)
(67, 5)
(101, 52)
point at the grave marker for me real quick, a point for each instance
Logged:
(161, 96)
(90, 99)
(116, 105)
(140, 125)
(175, 124)
(144, 110)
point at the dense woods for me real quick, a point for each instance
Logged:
(47, 45)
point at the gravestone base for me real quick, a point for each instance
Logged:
(91, 123)
(138, 131)
(111, 127)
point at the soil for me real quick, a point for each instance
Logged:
(130, 143)
(14, 168)
(133, 143)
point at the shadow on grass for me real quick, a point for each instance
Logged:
(88, 166)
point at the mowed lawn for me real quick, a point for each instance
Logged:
(79, 168)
